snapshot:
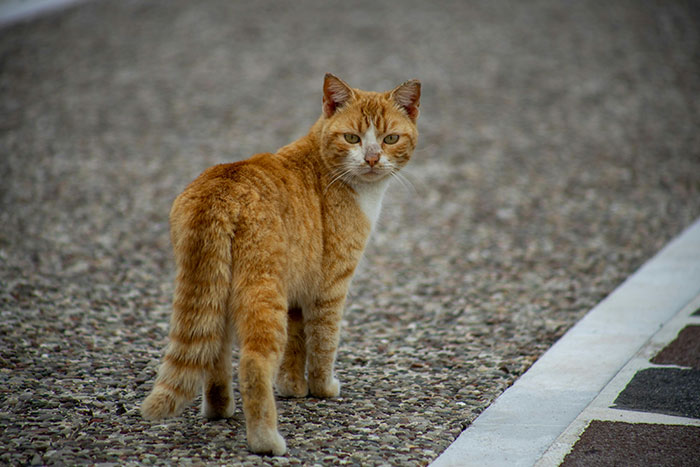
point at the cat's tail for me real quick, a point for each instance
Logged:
(198, 326)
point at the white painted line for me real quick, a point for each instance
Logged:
(524, 421)
(632, 416)
(14, 11)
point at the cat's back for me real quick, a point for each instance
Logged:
(245, 175)
(243, 182)
(261, 192)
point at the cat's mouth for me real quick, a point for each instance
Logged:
(373, 173)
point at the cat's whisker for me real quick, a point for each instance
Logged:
(404, 182)
(399, 180)
(339, 176)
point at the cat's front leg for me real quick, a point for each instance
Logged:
(322, 328)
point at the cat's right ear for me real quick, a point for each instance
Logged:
(408, 97)
(335, 94)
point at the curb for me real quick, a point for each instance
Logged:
(525, 421)
(15, 11)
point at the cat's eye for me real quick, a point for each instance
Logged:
(351, 138)
(391, 139)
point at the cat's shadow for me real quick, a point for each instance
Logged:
(191, 431)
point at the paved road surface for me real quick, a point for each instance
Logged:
(559, 150)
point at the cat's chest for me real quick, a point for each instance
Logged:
(369, 197)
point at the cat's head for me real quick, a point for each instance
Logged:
(368, 136)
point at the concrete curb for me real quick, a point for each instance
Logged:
(15, 11)
(522, 424)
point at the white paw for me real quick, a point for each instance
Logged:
(266, 441)
(325, 389)
(288, 387)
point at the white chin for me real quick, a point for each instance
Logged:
(372, 176)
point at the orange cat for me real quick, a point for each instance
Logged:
(265, 251)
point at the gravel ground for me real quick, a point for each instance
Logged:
(559, 150)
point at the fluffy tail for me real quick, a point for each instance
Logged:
(202, 247)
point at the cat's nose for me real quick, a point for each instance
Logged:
(372, 155)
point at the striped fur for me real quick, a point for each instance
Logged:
(265, 250)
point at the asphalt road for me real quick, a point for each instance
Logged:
(559, 150)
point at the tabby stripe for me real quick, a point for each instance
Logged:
(330, 302)
(172, 389)
(346, 274)
(195, 340)
(181, 363)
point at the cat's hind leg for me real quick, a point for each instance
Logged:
(217, 392)
(261, 322)
(291, 379)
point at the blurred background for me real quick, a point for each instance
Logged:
(559, 150)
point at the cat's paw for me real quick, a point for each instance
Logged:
(266, 441)
(214, 410)
(325, 389)
(161, 403)
(288, 386)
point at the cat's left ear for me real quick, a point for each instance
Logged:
(408, 97)
(335, 94)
